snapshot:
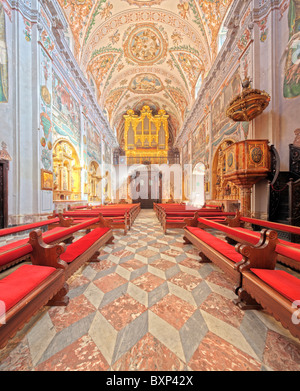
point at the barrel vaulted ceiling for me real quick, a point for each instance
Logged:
(136, 52)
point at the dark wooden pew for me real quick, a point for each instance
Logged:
(25, 291)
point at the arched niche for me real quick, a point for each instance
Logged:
(67, 172)
(198, 185)
(221, 188)
(94, 182)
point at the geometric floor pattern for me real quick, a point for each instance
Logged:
(149, 305)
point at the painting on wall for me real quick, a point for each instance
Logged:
(66, 111)
(291, 84)
(220, 122)
(3, 58)
(46, 180)
(199, 143)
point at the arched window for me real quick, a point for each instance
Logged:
(222, 37)
(198, 86)
(198, 193)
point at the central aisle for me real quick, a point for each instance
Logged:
(149, 305)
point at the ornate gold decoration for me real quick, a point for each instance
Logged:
(248, 104)
(146, 136)
(246, 163)
(145, 45)
(66, 170)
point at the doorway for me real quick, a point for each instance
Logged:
(146, 186)
(3, 193)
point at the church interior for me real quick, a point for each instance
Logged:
(150, 185)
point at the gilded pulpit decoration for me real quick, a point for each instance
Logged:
(248, 104)
(146, 137)
(4, 155)
(246, 163)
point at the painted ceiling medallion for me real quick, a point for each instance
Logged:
(147, 3)
(146, 83)
(145, 45)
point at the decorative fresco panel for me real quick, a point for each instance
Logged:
(220, 122)
(198, 147)
(46, 126)
(66, 111)
(145, 45)
(3, 58)
(146, 83)
(93, 141)
(291, 85)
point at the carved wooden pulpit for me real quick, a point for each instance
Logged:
(246, 163)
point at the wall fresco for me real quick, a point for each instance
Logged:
(291, 85)
(3, 58)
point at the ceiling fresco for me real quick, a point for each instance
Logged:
(136, 51)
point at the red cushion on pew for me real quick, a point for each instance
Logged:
(21, 282)
(15, 250)
(287, 251)
(25, 227)
(216, 243)
(272, 225)
(283, 282)
(81, 245)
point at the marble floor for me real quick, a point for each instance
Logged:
(149, 305)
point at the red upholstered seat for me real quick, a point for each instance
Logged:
(21, 282)
(77, 248)
(216, 243)
(283, 282)
(20, 228)
(15, 250)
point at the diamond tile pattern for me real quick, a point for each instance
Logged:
(148, 304)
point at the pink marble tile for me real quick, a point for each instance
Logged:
(132, 264)
(173, 310)
(215, 354)
(158, 245)
(77, 280)
(147, 253)
(102, 265)
(223, 309)
(81, 355)
(220, 278)
(109, 282)
(281, 353)
(122, 253)
(185, 281)
(122, 311)
(149, 354)
(148, 282)
(79, 307)
(16, 356)
(191, 263)
(162, 264)
(172, 253)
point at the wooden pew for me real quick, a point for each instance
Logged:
(20, 250)
(213, 249)
(75, 254)
(27, 227)
(276, 291)
(288, 253)
(25, 291)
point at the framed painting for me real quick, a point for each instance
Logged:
(46, 180)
